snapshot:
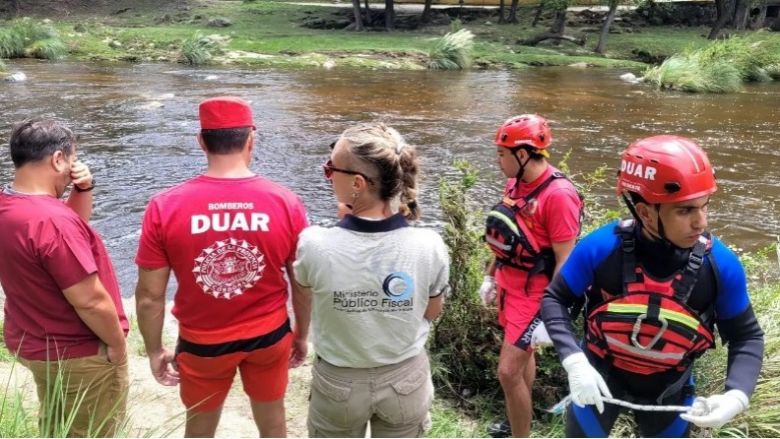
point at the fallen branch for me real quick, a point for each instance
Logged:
(533, 41)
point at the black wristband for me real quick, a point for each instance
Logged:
(78, 189)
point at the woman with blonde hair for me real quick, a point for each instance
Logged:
(376, 284)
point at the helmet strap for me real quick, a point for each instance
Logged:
(521, 165)
(631, 208)
(661, 235)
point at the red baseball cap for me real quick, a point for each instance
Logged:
(225, 112)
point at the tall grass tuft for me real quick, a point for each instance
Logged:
(200, 49)
(50, 48)
(720, 67)
(452, 51)
(28, 38)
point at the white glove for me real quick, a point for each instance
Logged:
(585, 383)
(540, 337)
(487, 292)
(717, 410)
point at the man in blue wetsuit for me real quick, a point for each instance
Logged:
(655, 289)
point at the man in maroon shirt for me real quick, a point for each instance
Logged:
(63, 309)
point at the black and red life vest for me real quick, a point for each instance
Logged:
(650, 328)
(510, 239)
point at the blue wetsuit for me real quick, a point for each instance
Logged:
(594, 271)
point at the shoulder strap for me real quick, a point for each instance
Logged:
(554, 176)
(690, 274)
(626, 230)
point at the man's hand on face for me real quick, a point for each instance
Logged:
(81, 175)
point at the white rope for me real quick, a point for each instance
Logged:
(699, 406)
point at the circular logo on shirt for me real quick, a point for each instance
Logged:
(398, 286)
(228, 268)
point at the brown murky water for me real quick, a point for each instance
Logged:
(137, 124)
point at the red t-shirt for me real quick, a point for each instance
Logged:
(552, 216)
(227, 241)
(46, 248)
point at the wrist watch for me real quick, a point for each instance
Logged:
(78, 189)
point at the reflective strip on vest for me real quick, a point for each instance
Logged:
(644, 353)
(624, 308)
(492, 241)
(510, 223)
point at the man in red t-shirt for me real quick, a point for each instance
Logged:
(228, 235)
(63, 309)
(531, 234)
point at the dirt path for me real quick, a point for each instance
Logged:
(155, 410)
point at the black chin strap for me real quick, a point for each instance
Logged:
(520, 171)
(661, 233)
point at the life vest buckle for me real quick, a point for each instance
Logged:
(637, 327)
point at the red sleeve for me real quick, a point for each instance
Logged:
(66, 252)
(562, 214)
(151, 253)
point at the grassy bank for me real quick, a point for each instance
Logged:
(269, 33)
(722, 66)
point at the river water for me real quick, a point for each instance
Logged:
(138, 122)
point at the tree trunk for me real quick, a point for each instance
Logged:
(559, 23)
(760, 20)
(389, 15)
(741, 13)
(426, 15)
(358, 18)
(501, 7)
(368, 18)
(722, 7)
(538, 14)
(601, 47)
(513, 12)
(15, 7)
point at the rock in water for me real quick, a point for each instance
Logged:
(16, 77)
(629, 77)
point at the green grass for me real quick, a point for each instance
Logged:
(29, 38)
(720, 67)
(452, 51)
(448, 421)
(273, 28)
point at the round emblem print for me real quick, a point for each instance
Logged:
(229, 267)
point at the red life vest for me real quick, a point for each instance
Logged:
(649, 328)
(510, 239)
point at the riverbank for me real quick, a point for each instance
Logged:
(283, 34)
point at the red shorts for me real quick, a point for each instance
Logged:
(519, 312)
(206, 370)
(205, 381)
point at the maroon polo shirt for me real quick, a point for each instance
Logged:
(45, 247)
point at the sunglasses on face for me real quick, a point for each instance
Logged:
(329, 169)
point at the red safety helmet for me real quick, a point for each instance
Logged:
(524, 130)
(666, 169)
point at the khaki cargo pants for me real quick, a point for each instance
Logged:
(395, 399)
(93, 386)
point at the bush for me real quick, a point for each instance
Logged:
(200, 49)
(452, 51)
(50, 48)
(28, 38)
(720, 67)
(466, 339)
